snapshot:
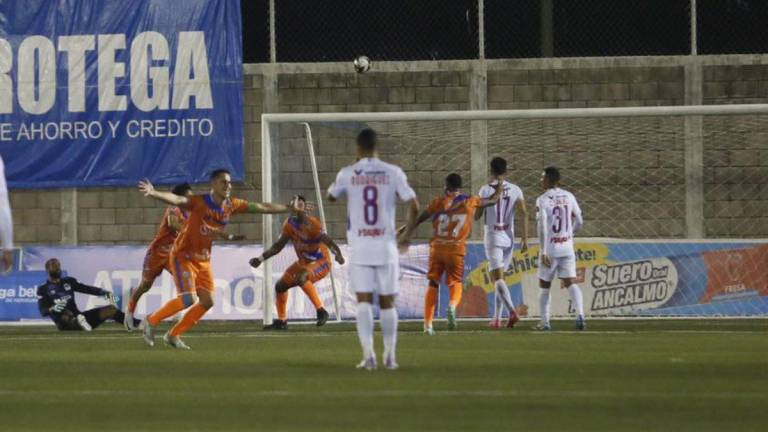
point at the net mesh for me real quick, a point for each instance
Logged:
(631, 179)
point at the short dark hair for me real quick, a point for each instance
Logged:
(300, 197)
(552, 174)
(366, 139)
(181, 189)
(217, 172)
(453, 181)
(498, 166)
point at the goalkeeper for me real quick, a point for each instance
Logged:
(56, 299)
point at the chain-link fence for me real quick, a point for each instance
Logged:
(403, 30)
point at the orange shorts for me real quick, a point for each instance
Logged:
(191, 276)
(316, 270)
(449, 263)
(155, 261)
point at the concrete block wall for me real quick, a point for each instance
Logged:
(638, 179)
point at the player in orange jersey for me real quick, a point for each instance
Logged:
(311, 244)
(157, 257)
(451, 216)
(191, 253)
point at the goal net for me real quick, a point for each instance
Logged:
(675, 201)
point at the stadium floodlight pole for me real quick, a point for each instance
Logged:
(319, 197)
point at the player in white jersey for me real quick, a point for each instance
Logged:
(499, 236)
(6, 224)
(372, 188)
(558, 217)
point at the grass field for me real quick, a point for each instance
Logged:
(619, 375)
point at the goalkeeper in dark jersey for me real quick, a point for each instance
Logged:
(56, 299)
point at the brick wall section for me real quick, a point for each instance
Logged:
(736, 154)
(639, 179)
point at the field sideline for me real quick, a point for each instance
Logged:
(619, 375)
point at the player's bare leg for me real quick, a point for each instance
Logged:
(388, 315)
(136, 294)
(365, 330)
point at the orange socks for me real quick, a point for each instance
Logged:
(311, 292)
(281, 301)
(191, 318)
(430, 302)
(454, 291)
(169, 309)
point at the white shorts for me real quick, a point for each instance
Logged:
(498, 257)
(380, 279)
(562, 267)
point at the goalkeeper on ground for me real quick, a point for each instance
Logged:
(56, 299)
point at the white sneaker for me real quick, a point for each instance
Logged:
(389, 361)
(83, 323)
(128, 321)
(368, 364)
(174, 342)
(429, 331)
(147, 332)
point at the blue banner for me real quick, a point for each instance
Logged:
(107, 92)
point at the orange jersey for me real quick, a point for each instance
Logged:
(166, 235)
(452, 222)
(205, 218)
(306, 237)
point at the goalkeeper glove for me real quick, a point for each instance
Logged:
(59, 306)
(111, 298)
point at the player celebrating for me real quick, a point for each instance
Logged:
(558, 218)
(311, 244)
(156, 258)
(191, 253)
(499, 236)
(372, 188)
(450, 214)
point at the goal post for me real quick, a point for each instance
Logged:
(677, 192)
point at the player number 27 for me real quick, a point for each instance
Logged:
(371, 205)
(444, 221)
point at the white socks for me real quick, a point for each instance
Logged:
(577, 299)
(365, 328)
(503, 292)
(389, 330)
(544, 301)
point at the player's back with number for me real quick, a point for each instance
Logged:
(451, 223)
(372, 188)
(559, 217)
(498, 222)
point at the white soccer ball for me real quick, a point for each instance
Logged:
(362, 64)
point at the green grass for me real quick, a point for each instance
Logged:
(619, 375)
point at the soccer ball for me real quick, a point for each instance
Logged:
(362, 64)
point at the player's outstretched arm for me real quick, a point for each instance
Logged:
(270, 208)
(146, 187)
(87, 289)
(493, 199)
(523, 212)
(413, 212)
(269, 253)
(328, 241)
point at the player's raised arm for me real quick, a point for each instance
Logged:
(328, 241)
(523, 212)
(272, 251)
(146, 187)
(270, 208)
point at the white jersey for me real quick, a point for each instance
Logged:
(372, 188)
(6, 223)
(559, 217)
(499, 219)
